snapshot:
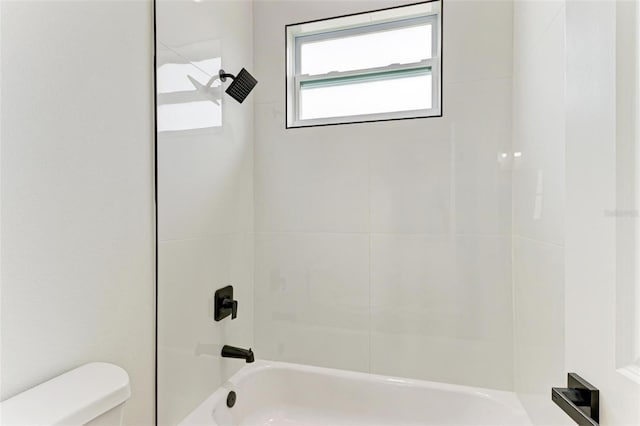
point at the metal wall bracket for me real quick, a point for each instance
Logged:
(580, 400)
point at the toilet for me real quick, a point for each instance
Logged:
(92, 394)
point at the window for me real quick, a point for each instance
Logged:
(379, 65)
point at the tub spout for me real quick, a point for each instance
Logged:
(233, 352)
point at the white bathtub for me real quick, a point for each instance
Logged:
(275, 393)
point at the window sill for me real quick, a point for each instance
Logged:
(368, 118)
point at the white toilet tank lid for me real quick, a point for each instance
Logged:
(75, 397)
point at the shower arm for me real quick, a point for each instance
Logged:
(223, 76)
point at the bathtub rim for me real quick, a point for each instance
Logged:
(508, 399)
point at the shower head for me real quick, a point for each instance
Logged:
(241, 86)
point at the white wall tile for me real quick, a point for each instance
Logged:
(483, 268)
(205, 184)
(538, 205)
(480, 137)
(309, 180)
(411, 177)
(538, 285)
(311, 297)
(205, 176)
(205, 213)
(539, 132)
(434, 295)
(477, 40)
(189, 340)
(431, 194)
(414, 287)
(477, 362)
(531, 20)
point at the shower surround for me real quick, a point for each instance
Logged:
(391, 240)
(432, 249)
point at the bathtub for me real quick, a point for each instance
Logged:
(276, 393)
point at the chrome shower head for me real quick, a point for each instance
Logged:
(241, 86)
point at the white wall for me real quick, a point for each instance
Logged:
(386, 247)
(539, 205)
(205, 205)
(596, 131)
(575, 121)
(77, 193)
(628, 185)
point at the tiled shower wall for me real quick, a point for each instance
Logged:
(205, 199)
(539, 205)
(386, 247)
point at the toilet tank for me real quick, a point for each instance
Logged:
(90, 394)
